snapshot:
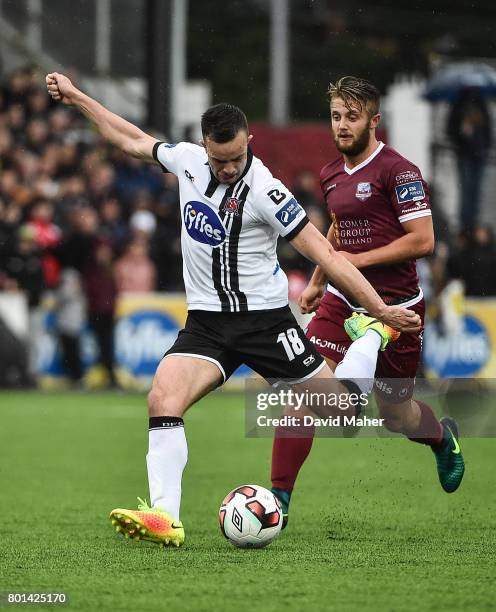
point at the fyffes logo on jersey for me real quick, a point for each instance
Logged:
(203, 224)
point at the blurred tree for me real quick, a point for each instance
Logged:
(228, 45)
(328, 39)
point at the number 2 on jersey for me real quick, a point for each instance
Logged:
(276, 196)
(291, 342)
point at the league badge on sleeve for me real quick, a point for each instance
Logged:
(410, 192)
(288, 213)
(363, 191)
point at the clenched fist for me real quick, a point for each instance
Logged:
(310, 299)
(60, 88)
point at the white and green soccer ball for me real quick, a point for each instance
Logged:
(250, 516)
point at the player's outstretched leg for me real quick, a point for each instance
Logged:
(449, 458)
(147, 523)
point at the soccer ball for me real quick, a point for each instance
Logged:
(250, 516)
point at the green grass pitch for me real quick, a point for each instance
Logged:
(370, 526)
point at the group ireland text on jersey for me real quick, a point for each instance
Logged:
(229, 232)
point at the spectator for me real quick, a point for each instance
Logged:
(20, 83)
(16, 118)
(478, 273)
(36, 135)
(112, 224)
(67, 162)
(47, 237)
(72, 197)
(143, 222)
(101, 177)
(133, 177)
(469, 128)
(76, 249)
(38, 104)
(100, 291)
(7, 233)
(473, 260)
(10, 186)
(166, 242)
(70, 316)
(24, 266)
(135, 271)
(5, 141)
(305, 189)
(59, 122)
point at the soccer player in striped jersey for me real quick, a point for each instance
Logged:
(233, 211)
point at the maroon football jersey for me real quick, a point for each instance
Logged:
(367, 205)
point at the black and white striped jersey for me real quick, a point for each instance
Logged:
(229, 232)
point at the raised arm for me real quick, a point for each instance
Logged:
(113, 128)
(311, 243)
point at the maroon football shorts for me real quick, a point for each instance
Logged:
(400, 360)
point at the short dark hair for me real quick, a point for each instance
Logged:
(222, 122)
(353, 90)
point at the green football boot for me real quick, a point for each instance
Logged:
(358, 325)
(449, 458)
(147, 523)
(284, 498)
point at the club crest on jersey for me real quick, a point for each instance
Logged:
(203, 224)
(231, 205)
(364, 191)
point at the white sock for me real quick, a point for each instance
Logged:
(360, 361)
(166, 460)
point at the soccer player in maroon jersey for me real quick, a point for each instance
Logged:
(381, 222)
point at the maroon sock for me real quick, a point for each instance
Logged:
(430, 430)
(289, 451)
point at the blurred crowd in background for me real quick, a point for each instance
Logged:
(85, 221)
(79, 218)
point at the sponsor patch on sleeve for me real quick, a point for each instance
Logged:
(407, 176)
(410, 192)
(414, 208)
(288, 213)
